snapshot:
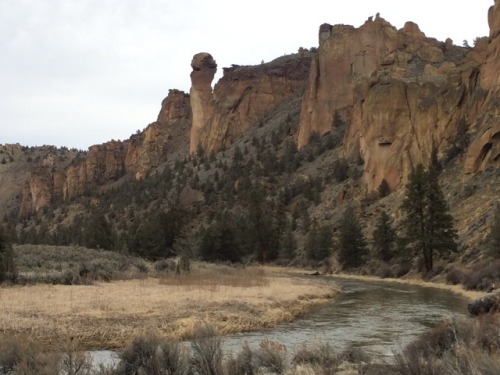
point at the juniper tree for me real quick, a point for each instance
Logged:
(352, 247)
(384, 238)
(428, 224)
(493, 239)
(318, 245)
(8, 270)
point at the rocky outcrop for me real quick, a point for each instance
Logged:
(108, 162)
(485, 146)
(242, 98)
(345, 56)
(168, 134)
(401, 96)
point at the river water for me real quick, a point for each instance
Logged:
(376, 316)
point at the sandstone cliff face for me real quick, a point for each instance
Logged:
(168, 134)
(242, 98)
(402, 96)
(141, 153)
(108, 162)
(485, 146)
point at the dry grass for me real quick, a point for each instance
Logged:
(108, 315)
(458, 289)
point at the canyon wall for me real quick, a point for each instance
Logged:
(242, 97)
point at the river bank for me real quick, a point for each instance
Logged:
(457, 289)
(109, 315)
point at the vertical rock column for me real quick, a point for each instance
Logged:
(201, 96)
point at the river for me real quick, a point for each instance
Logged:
(376, 316)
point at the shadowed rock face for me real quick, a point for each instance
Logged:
(242, 98)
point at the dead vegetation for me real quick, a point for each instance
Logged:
(108, 315)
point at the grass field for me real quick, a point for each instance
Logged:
(109, 314)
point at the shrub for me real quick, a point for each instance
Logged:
(243, 364)
(322, 358)
(26, 357)
(272, 357)
(207, 351)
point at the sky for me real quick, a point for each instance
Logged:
(80, 72)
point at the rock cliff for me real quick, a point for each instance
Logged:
(397, 96)
(106, 163)
(242, 97)
(403, 96)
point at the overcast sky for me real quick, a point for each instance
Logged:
(81, 72)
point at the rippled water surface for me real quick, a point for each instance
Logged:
(375, 316)
(378, 317)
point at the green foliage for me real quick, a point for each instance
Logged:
(493, 239)
(384, 238)
(155, 236)
(319, 244)
(97, 233)
(8, 271)
(352, 248)
(428, 225)
(219, 240)
(384, 190)
(288, 243)
(340, 169)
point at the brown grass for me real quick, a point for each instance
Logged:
(108, 315)
(458, 289)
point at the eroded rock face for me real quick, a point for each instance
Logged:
(243, 96)
(110, 161)
(346, 55)
(491, 71)
(202, 100)
(401, 96)
(147, 150)
(485, 146)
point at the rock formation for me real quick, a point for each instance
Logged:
(106, 163)
(485, 146)
(242, 98)
(402, 96)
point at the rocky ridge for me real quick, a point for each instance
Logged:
(395, 97)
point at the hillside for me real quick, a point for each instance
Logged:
(278, 150)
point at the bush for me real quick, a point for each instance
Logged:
(272, 357)
(207, 351)
(243, 364)
(21, 356)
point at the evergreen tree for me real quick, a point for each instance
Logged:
(97, 233)
(155, 235)
(384, 238)
(352, 247)
(219, 240)
(288, 243)
(8, 270)
(493, 239)
(428, 224)
(319, 244)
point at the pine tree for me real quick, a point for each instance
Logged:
(97, 233)
(384, 238)
(428, 224)
(8, 270)
(493, 239)
(352, 244)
